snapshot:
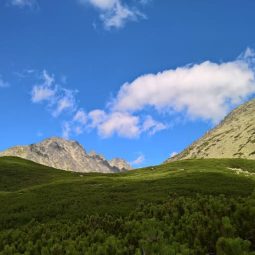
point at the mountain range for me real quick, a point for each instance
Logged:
(234, 137)
(67, 155)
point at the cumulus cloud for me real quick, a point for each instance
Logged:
(114, 13)
(57, 98)
(76, 126)
(65, 102)
(96, 117)
(80, 117)
(122, 124)
(205, 90)
(152, 126)
(40, 93)
(48, 79)
(101, 4)
(61, 101)
(45, 91)
(249, 57)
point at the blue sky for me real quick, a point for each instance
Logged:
(138, 79)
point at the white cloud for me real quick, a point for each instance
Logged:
(122, 124)
(57, 98)
(138, 161)
(80, 117)
(65, 102)
(114, 13)
(102, 4)
(249, 57)
(3, 84)
(96, 117)
(248, 53)
(48, 80)
(23, 3)
(76, 126)
(60, 101)
(45, 91)
(42, 93)
(152, 126)
(205, 90)
(119, 15)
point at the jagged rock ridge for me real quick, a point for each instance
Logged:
(234, 137)
(120, 164)
(63, 154)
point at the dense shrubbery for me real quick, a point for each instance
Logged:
(46, 211)
(181, 225)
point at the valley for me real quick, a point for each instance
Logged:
(74, 208)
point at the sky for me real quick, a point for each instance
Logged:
(137, 79)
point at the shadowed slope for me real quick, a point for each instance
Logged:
(29, 190)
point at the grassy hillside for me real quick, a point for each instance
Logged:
(49, 197)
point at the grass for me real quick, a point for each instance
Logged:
(32, 191)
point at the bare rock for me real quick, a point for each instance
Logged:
(120, 164)
(63, 154)
(234, 137)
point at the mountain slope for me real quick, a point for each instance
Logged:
(234, 137)
(63, 154)
(95, 192)
(183, 206)
(25, 184)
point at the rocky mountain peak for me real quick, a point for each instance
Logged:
(120, 164)
(63, 154)
(96, 155)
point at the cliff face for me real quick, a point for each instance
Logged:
(234, 137)
(120, 164)
(63, 154)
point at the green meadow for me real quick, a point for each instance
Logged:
(200, 206)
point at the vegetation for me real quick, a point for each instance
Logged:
(184, 207)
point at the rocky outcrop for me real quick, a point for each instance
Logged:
(120, 164)
(63, 154)
(234, 137)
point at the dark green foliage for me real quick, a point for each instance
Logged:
(186, 207)
(180, 225)
(16, 173)
(233, 246)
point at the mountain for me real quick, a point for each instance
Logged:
(67, 155)
(120, 164)
(234, 137)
